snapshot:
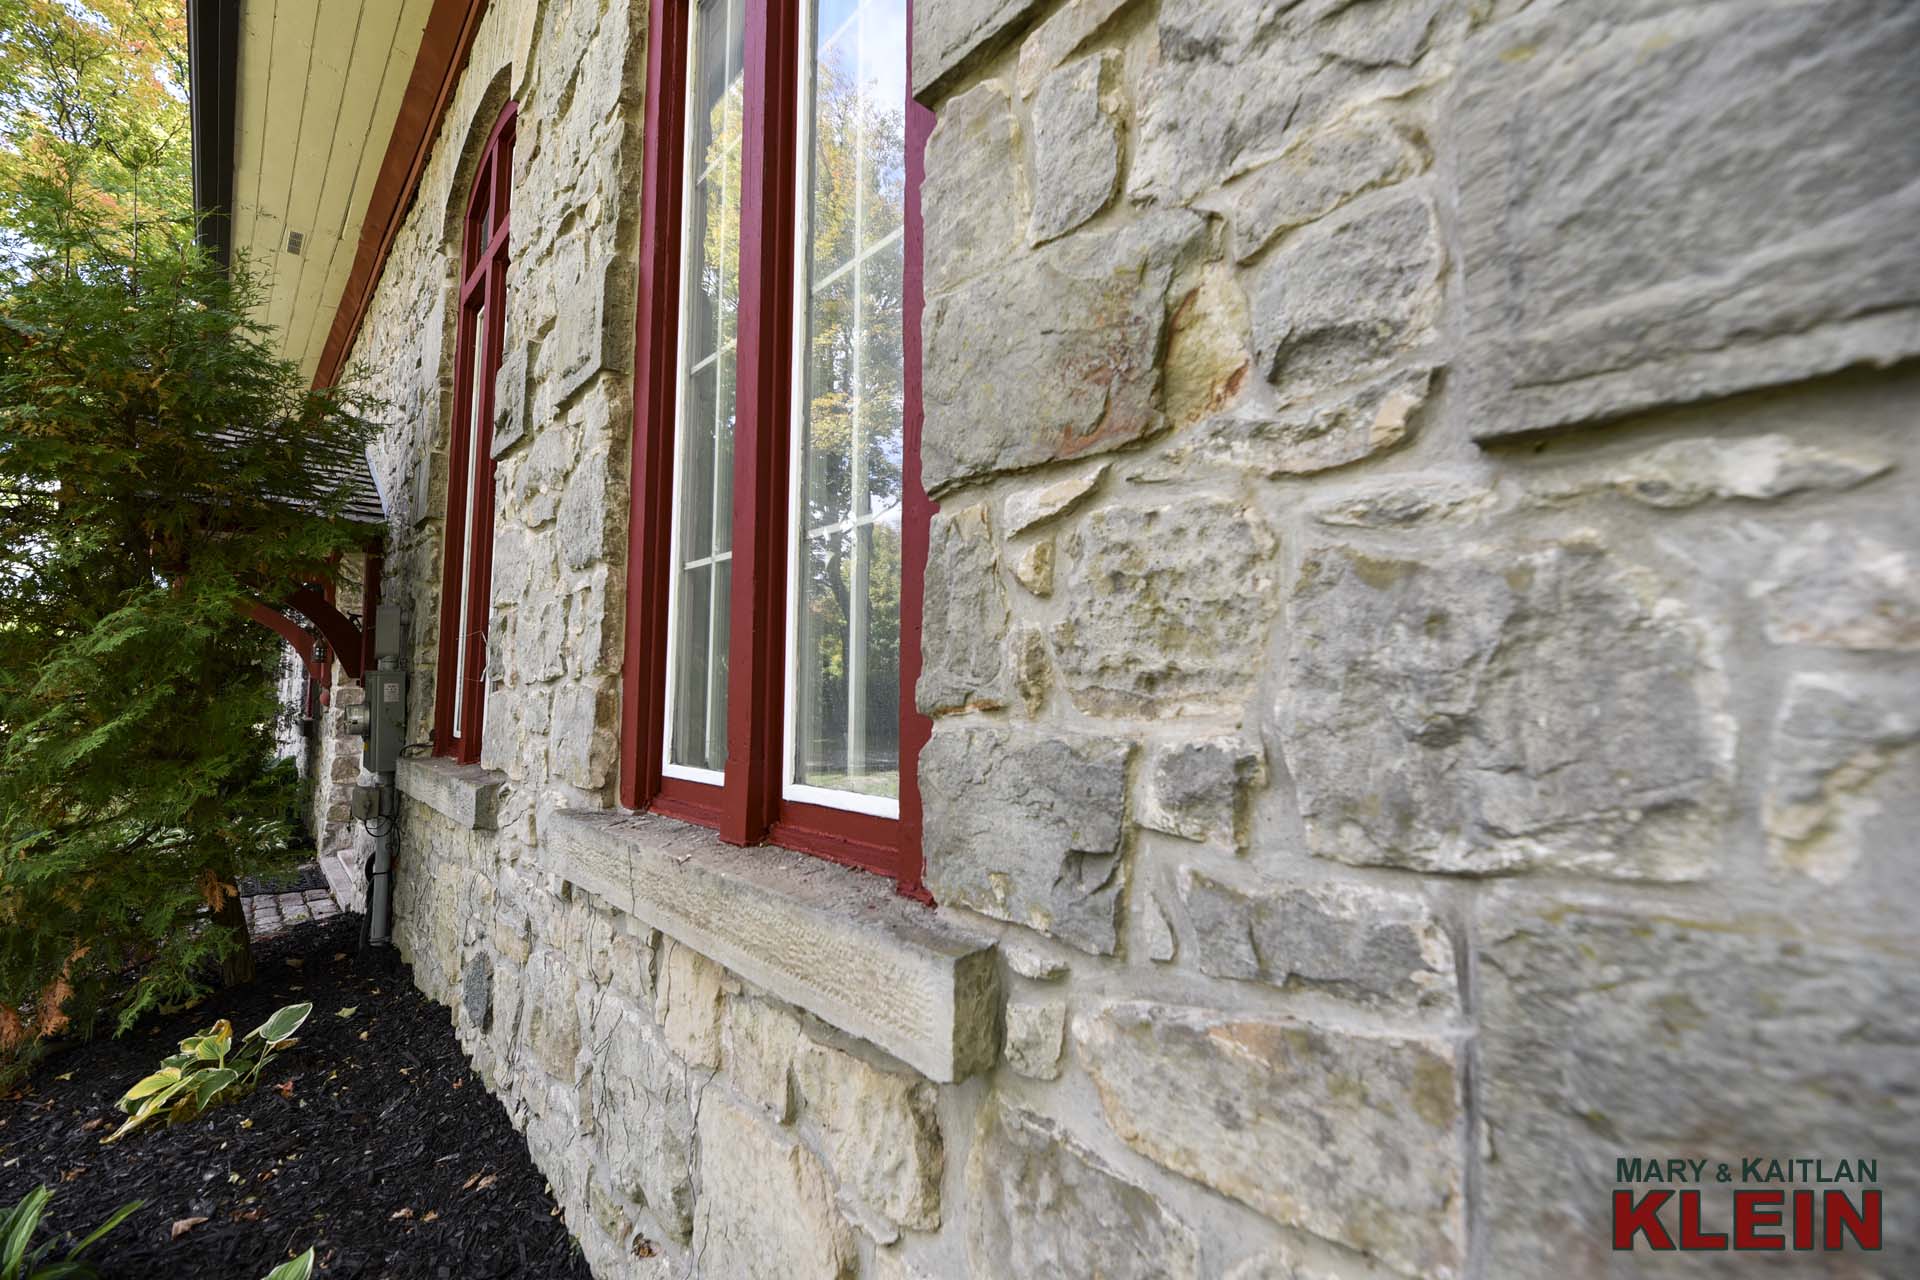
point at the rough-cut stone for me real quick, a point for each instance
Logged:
(1167, 607)
(1196, 788)
(1032, 668)
(1064, 32)
(1027, 827)
(1055, 354)
(1355, 940)
(1662, 205)
(642, 1110)
(972, 201)
(476, 992)
(1315, 176)
(1276, 1264)
(1606, 1031)
(1209, 349)
(1397, 505)
(1837, 587)
(1355, 1136)
(881, 1136)
(748, 1169)
(586, 514)
(689, 1004)
(964, 617)
(1841, 745)
(1036, 1031)
(1342, 298)
(947, 34)
(582, 737)
(1026, 958)
(1034, 569)
(1044, 1206)
(761, 1042)
(1686, 473)
(512, 393)
(1026, 508)
(552, 1030)
(1497, 709)
(1076, 146)
(1349, 426)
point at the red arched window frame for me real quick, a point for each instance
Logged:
(459, 713)
(748, 807)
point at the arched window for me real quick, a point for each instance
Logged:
(466, 588)
(779, 530)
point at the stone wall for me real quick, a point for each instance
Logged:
(1422, 633)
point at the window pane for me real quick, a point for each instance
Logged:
(703, 473)
(476, 350)
(846, 628)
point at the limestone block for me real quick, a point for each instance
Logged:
(1356, 940)
(633, 957)
(1314, 176)
(643, 1115)
(1210, 347)
(971, 199)
(1276, 1264)
(512, 398)
(1025, 508)
(760, 1043)
(1842, 746)
(1062, 34)
(1027, 958)
(582, 741)
(587, 513)
(1347, 295)
(880, 1132)
(1036, 1032)
(1348, 426)
(538, 481)
(1026, 827)
(465, 794)
(1076, 146)
(1394, 504)
(1044, 1206)
(1837, 587)
(1032, 668)
(688, 1004)
(1197, 788)
(1355, 1136)
(1167, 608)
(552, 1029)
(964, 618)
(945, 35)
(593, 330)
(1499, 709)
(1055, 354)
(1034, 569)
(541, 639)
(747, 1168)
(1686, 473)
(1606, 1032)
(1156, 928)
(1663, 205)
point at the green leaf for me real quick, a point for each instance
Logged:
(209, 1083)
(119, 1216)
(150, 1108)
(152, 1084)
(21, 1223)
(293, 1269)
(283, 1023)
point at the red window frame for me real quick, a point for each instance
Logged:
(483, 282)
(749, 807)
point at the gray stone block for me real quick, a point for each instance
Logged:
(947, 33)
(464, 794)
(835, 942)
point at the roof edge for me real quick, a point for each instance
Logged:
(213, 77)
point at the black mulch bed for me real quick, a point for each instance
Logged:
(305, 877)
(385, 1153)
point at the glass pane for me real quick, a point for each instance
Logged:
(476, 346)
(703, 473)
(846, 628)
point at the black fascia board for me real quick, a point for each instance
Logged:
(213, 70)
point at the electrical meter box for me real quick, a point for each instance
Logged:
(386, 718)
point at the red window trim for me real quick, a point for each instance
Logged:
(483, 278)
(749, 808)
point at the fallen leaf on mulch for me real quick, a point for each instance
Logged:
(294, 962)
(347, 1012)
(183, 1225)
(284, 1088)
(431, 1215)
(400, 1213)
(98, 1122)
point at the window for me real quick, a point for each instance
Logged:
(466, 586)
(779, 533)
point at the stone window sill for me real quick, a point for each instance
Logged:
(462, 793)
(835, 942)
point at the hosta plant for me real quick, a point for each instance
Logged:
(208, 1068)
(17, 1225)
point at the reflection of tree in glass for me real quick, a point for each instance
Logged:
(854, 409)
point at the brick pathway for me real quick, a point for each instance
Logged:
(271, 912)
